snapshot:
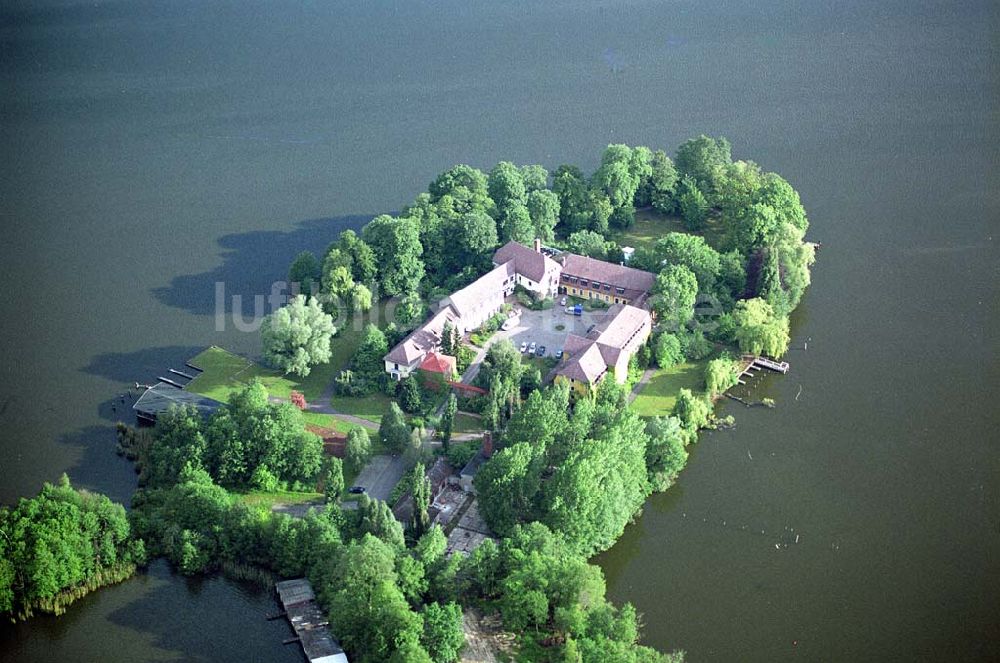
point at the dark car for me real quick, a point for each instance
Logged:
(541, 351)
(356, 490)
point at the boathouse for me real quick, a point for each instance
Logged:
(310, 624)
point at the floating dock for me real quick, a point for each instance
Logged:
(312, 629)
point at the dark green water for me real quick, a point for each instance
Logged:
(153, 149)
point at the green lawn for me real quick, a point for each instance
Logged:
(269, 499)
(657, 397)
(650, 226)
(466, 424)
(224, 372)
(366, 407)
(328, 421)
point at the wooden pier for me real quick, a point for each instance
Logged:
(753, 363)
(776, 366)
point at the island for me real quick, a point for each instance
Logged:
(456, 408)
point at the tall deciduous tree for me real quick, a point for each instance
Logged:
(297, 336)
(397, 249)
(675, 290)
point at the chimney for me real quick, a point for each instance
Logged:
(538, 245)
(487, 449)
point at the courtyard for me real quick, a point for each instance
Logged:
(549, 327)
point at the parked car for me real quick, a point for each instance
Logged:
(531, 348)
(356, 490)
(541, 351)
(558, 354)
(524, 346)
(562, 302)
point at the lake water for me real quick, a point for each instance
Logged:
(153, 149)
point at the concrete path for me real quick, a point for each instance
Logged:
(647, 375)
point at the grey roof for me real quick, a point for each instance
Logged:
(527, 262)
(623, 329)
(161, 396)
(423, 339)
(635, 282)
(309, 622)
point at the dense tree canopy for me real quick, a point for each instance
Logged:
(397, 249)
(59, 545)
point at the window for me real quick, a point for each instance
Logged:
(396, 366)
(620, 291)
(585, 284)
(607, 287)
(616, 300)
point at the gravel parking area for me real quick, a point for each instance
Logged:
(541, 327)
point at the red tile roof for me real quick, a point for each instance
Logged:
(439, 363)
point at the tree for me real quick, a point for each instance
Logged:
(393, 429)
(178, 441)
(367, 610)
(361, 298)
(515, 224)
(408, 394)
(675, 290)
(376, 518)
(692, 204)
(507, 483)
(368, 360)
(337, 281)
(618, 178)
(448, 421)
(721, 374)
(668, 350)
(465, 241)
(58, 546)
(594, 493)
(506, 186)
(420, 490)
(661, 186)
(692, 412)
(443, 636)
(397, 250)
(459, 190)
(357, 449)
(297, 336)
(759, 330)
(704, 159)
(305, 271)
(333, 483)
(543, 208)
(694, 253)
(535, 177)
(363, 263)
(588, 243)
(666, 455)
(570, 187)
(252, 442)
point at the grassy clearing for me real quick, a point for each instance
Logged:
(371, 407)
(269, 499)
(467, 424)
(650, 226)
(224, 372)
(328, 421)
(658, 396)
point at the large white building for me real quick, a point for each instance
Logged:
(467, 309)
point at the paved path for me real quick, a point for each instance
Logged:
(646, 376)
(381, 475)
